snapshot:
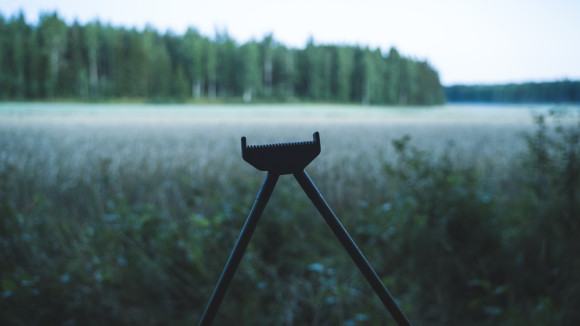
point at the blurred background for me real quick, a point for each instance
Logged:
(450, 146)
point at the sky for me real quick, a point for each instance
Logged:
(466, 41)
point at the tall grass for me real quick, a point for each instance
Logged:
(131, 223)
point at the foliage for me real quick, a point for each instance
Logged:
(101, 62)
(446, 223)
(139, 234)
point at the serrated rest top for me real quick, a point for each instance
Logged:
(282, 158)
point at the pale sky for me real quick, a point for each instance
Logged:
(467, 41)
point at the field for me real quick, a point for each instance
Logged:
(126, 214)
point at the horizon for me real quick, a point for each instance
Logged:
(467, 43)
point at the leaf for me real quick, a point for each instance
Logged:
(8, 285)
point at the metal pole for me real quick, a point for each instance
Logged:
(239, 249)
(351, 247)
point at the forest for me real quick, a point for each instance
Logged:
(564, 91)
(94, 62)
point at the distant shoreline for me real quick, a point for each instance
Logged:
(553, 92)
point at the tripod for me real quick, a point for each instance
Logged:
(292, 158)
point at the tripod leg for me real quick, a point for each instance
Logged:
(352, 249)
(239, 249)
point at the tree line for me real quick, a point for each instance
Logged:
(94, 61)
(564, 91)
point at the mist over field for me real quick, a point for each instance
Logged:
(126, 213)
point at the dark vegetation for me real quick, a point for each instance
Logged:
(565, 91)
(96, 62)
(142, 241)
